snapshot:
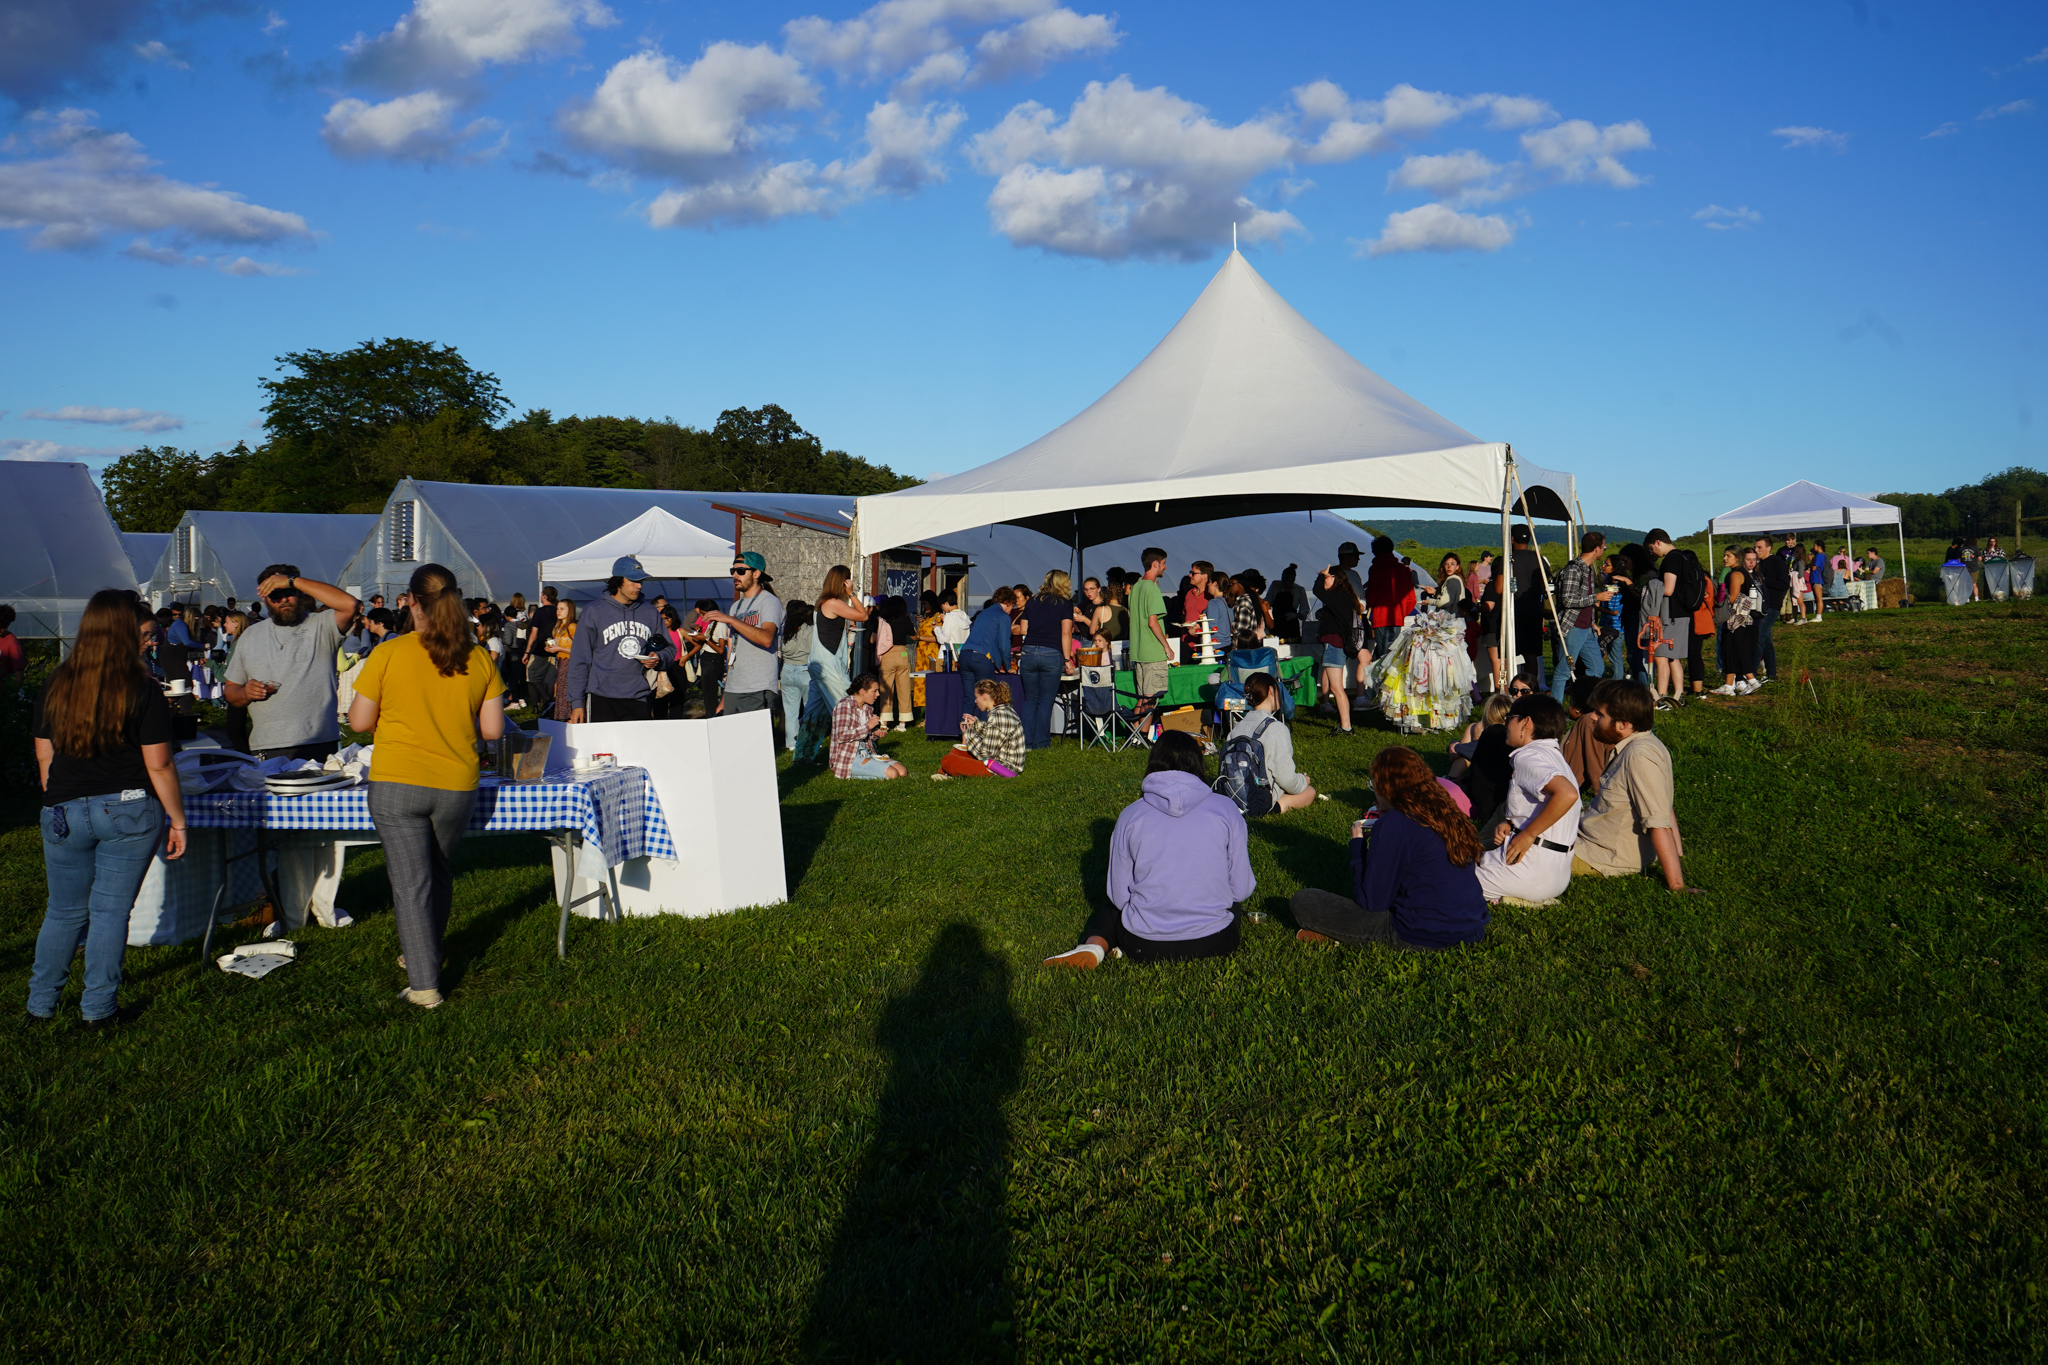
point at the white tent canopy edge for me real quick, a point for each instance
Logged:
(666, 546)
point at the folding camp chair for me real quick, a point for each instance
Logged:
(1112, 719)
(1240, 664)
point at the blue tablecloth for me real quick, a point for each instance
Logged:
(617, 812)
(946, 700)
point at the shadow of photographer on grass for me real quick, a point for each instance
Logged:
(918, 1270)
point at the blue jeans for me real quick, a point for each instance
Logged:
(94, 870)
(796, 687)
(975, 668)
(1581, 651)
(1039, 671)
(1617, 657)
(1767, 652)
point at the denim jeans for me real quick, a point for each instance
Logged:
(1581, 650)
(1040, 672)
(796, 687)
(1767, 650)
(1617, 657)
(975, 668)
(94, 870)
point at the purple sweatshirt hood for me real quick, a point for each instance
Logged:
(1175, 793)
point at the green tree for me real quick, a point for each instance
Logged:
(151, 488)
(764, 450)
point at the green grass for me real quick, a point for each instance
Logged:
(1798, 1118)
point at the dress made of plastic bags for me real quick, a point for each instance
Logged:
(1426, 677)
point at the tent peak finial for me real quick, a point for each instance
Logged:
(1233, 236)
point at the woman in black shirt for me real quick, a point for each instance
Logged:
(1048, 621)
(103, 753)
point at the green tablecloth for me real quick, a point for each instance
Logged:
(1189, 685)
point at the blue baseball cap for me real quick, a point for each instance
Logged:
(626, 566)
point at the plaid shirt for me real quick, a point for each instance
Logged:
(851, 723)
(1578, 584)
(1245, 616)
(998, 737)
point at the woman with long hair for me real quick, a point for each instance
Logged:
(1048, 620)
(103, 745)
(1413, 867)
(558, 646)
(428, 695)
(1336, 618)
(831, 659)
(795, 648)
(894, 636)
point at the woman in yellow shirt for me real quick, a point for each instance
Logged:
(427, 694)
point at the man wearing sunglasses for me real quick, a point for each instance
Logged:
(753, 676)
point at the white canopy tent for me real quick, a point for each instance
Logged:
(1243, 408)
(60, 548)
(1805, 506)
(666, 546)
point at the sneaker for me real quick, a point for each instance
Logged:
(1082, 957)
(1666, 704)
(901, 728)
(342, 919)
(1752, 685)
(1311, 936)
(35, 1020)
(274, 929)
(426, 1000)
(1727, 689)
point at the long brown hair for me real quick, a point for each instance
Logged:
(96, 688)
(838, 586)
(446, 633)
(1404, 782)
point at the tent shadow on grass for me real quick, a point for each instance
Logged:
(804, 831)
(918, 1269)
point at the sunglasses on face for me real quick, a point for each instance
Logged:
(741, 572)
(283, 595)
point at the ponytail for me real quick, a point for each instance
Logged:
(446, 630)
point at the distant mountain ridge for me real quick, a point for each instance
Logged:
(1447, 534)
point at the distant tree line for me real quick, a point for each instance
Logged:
(1984, 508)
(340, 428)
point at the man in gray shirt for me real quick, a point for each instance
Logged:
(752, 679)
(283, 668)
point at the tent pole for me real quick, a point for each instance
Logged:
(1549, 598)
(1902, 558)
(1076, 584)
(1849, 535)
(1504, 572)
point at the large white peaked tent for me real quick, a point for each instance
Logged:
(60, 548)
(666, 546)
(1243, 408)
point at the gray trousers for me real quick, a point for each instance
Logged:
(1345, 920)
(419, 828)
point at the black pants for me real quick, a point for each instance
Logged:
(604, 709)
(1108, 923)
(1741, 651)
(1696, 660)
(1345, 920)
(1529, 636)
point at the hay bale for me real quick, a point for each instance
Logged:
(1891, 592)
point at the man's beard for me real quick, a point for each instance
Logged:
(288, 615)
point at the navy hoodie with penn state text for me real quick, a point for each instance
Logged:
(614, 647)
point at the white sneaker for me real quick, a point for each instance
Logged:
(274, 929)
(1724, 690)
(342, 919)
(1751, 686)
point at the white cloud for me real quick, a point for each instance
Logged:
(275, 25)
(26, 448)
(1575, 152)
(441, 38)
(1945, 130)
(1435, 227)
(1354, 128)
(1723, 220)
(157, 53)
(2000, 111)
(752, 197)
(129, 419)
(1455, 176)
(1130, 173)
(2041, 56)
(141, 249)
(926, 41)
(903, 148)
(1519, 111)
(415, 127)
(89, 183)
(1801, 136)
(697, 120)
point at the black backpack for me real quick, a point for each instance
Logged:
(1692, 582)
(1241, 775)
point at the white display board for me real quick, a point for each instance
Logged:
(716, 781)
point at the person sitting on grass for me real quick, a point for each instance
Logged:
(1288, 789)
(1583, 751)
(1531, 854)
(1490, 763)
(1631, 824)
(1178, 867)
(994, 741)
(1494, 712)
(1414, 879)
(854, 728)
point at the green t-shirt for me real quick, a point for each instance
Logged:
(1146, 603)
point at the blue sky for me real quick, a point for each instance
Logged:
(1688, 256)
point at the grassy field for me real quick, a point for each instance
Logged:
(1798, 1118)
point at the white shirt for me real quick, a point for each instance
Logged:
(1534, 764)
(952, 628)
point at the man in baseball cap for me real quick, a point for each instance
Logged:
(753, 678)
(619, 638)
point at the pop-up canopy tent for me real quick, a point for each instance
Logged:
(60, 548)
(1243, 408)
(1805, 506)
(213, 556)
(666, 546)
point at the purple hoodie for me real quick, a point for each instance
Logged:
(1177, 861)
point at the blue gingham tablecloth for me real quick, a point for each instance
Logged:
(616, 811)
